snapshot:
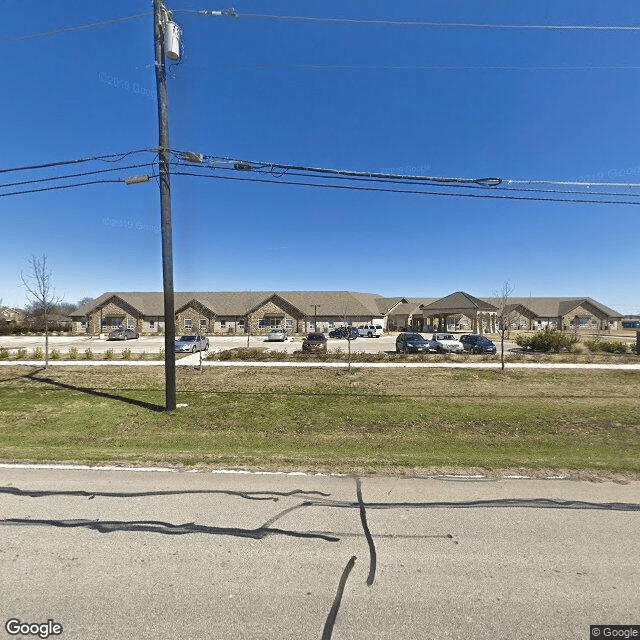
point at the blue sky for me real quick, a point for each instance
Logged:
(520, 104)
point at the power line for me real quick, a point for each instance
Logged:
(72, 175)
(219, 162)
(232, 13)
(420, 67)
(111, 157)
(407, 191)
(67, 186)
(203, 166)
(80, 27)
(479, 184)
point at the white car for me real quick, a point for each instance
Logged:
(447, 342)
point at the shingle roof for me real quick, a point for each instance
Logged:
(340, 303)
(458, 302)
(556, 307)
(238, 303)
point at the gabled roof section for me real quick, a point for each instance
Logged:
(459, 302)
(386, 305)
(558, 307)
(333, 303)
(140, 301)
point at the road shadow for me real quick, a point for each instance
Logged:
(93, 392)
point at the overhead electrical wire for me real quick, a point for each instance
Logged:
(71, 29)
(233, 13)
(408, 191)
(67, 186)
(219, 162)
(209, 166)
(110, 157)
(72, 175)
(479, 184)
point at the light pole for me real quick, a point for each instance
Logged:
(315, 316)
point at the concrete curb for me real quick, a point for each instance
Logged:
(189, 362)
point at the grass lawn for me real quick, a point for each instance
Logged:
(388, 421)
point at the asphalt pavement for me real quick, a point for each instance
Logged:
(163, 554)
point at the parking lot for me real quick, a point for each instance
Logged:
(153, 344)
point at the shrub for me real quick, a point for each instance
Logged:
(126, 354)
(36, 354)
(245, 353)
(21, 354)
(608, 346)
(54, 355)
(547, 340)
(109, 355)
(4, 353)
(160, 355)
(73, 353)
(88, 354)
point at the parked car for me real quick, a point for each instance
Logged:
(414, 343)
(350, 333)
(477, 344)
(447, 342)
(192, 343)
(123, 334)
(370, 330)
(277, 335)
(315, 343)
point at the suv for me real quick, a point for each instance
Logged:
(370, 330)
(315, 343)
(350, 333)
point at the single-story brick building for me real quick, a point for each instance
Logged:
(257, 312)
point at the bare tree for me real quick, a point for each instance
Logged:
(506, 314)
(41, 293)
(344, 313)
(249, 300)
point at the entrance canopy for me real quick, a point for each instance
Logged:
(481, 313)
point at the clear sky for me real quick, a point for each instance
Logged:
(560, 105)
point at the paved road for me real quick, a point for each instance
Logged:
(136, 555)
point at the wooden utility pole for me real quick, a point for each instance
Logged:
(159, 20)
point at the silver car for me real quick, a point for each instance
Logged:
(277, 335)
(192, 343)
(123, 334)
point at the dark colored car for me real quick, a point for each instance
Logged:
(350, 333)
(477, 344)
(315, 343)
(413, 343)
(123, 334)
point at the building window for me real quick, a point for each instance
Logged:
(104, 323)
(116, 322)
(262, 323)
(276, 323)
(241, 322)
(188, 323)
(223, 324)
(152, 324)
(203, 324)
(289, 324)
(131, 324)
